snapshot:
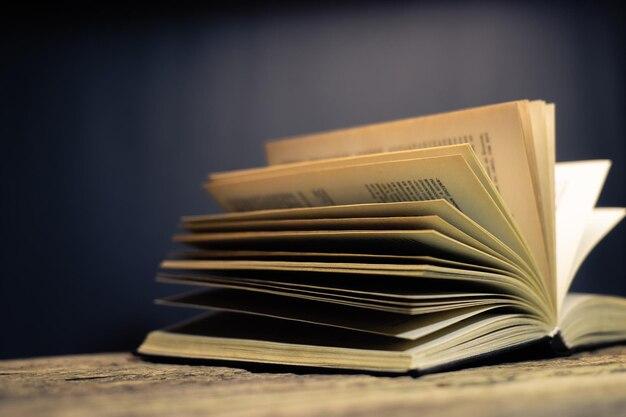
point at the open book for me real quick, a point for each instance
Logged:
(403, 246)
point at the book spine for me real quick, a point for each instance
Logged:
(558, 345)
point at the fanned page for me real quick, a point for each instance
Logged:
(578, 185)
(601, 221)
(414, 215)
(454, 175)
(502, 137)
(541, 142)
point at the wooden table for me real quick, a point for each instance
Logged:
(117, 384)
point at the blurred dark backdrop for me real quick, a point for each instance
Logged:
(110, 121)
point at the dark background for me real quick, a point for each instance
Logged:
(110, 120)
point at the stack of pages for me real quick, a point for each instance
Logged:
(413, 245)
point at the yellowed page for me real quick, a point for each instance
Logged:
(334, 315)
(493, 332)
(527, 260)
(481, 127)
(497, 134)
(465, 150)
(352, 284)
(589, 319)
(505, 284)
(417, 241)
(439, 207)
(276, 171)
(550, 123)
(404, 303)
(541, 177)
(425, 270)
(326, 257)
(355, 278)
(550, 118)
(409, 307)
(231, 336)
(320, 216)
(447, 177)
(471, 237)
(236, 337)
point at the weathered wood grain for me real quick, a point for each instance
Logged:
(118, 384)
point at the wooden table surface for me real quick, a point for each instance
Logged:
(119, 384)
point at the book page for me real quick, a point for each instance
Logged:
(238, 337)
(465, 150)
(439, 207)
(591, 319)
(434, 291)
(362, 301)
(335, 315)
(470, 236)
(497, 134)
(481, 127)
(407, 300)
(402, 284)
(578, 186)
(283, 169)
(351, 258)
(447, 177)
(340, 217)
(538, 112)
(414, 242)
(550, 122)
(480, 238)
(599, 224)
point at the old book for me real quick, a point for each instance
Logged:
(412, 245)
